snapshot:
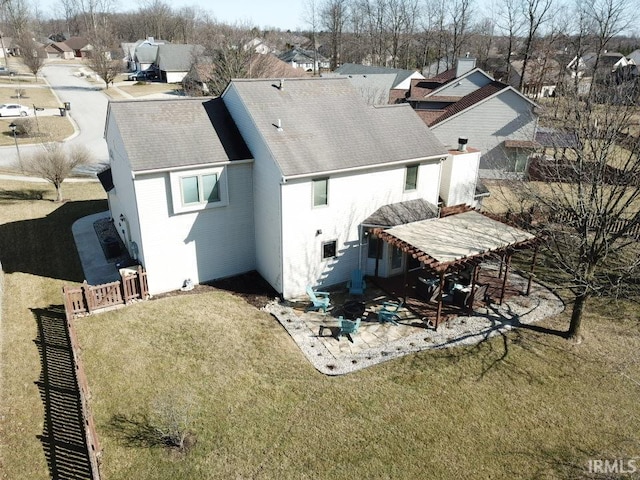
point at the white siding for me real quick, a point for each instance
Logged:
(459, 176)
(266, 185)
(175, 77)
(464, 86)
(488, 125)
(352, 198)
(204, 245)
(122, 199)
(406, 83)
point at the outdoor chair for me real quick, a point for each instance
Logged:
(357, 284)
(348, 327)
(390, 312)
(319, 300)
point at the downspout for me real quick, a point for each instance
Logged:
(283, 181)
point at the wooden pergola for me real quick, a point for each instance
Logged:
(458, 241)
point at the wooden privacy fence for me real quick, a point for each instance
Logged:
(87, 299)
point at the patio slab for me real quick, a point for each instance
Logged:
(316, 333)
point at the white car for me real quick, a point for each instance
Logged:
(13, 110)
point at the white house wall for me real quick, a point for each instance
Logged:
(175, 77)
(352, 198)
(459, 177)
(478, 124)
(266, 191)
(464, 86)
(204, 245)
(122, 199)
(406, 83)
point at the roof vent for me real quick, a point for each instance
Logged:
(278, 125)
(462, 144)
(281, 87)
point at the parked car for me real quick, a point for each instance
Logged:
(4, 71)
(13, 110)
(138, 75)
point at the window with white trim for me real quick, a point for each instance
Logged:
(193, 190)
(411, 178)
(320, 192)
(200, 189)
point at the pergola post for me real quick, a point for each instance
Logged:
(439, 312)
(533, 266)
(501, 265)
(474, 279)
(507, 261)
(378, 242)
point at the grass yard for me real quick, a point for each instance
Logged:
(142, 89)
(524, 405)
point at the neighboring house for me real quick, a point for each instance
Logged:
(174, 61)
(80, 46)
(258, 46)
(144, 57)
(373, 88)
(59, 50)
(634, 57)
(304, 59)
(402, 80)
(129, 51)
(286, 177)
(466, 102)
(540, 80)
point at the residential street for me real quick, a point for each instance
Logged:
(88, 112)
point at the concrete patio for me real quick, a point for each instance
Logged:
(316, 333)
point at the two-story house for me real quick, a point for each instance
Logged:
(286, 177)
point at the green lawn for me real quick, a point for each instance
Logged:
(523, 405)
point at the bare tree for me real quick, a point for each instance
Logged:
(537, 12)
(31, 53)
(101, 60)
(227, 52)
(312, 18)
(333, 15)
(588, 188)
(54, 163)
(510, 23)
(460, 12)
(17, 16)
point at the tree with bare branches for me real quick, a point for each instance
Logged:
(55, 163)
(584, 194)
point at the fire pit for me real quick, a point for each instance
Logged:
(353, 309)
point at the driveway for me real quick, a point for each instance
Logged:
(88, 113)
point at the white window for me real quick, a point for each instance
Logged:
(411, 178)
(194, 190)
(320, 192)
(200, 189)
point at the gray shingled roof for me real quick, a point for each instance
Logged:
(374, 89)
(403, 212)
(326, 126)
(162, 134)
(146, 53)
(357, 69)
(177, 57)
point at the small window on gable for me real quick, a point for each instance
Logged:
(320, 192)
(329, 249)
(411, 178)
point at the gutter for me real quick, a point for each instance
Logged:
(192, 167)
(439, 158)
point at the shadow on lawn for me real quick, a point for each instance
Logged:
(44, 246)
(135, 431)
(63, 435)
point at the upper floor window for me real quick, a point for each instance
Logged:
(320, 192)
(411, 178)
(198, 189)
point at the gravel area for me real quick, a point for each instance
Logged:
(306, 330)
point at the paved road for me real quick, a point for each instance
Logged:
(88, 113)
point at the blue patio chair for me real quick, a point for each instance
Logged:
(319, 300)
(390, 312)
(357, 284)
(348, 327)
